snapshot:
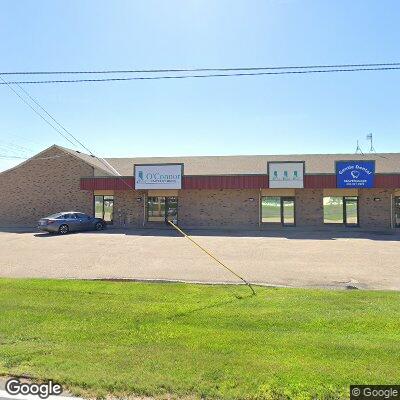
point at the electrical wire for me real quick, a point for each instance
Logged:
(108, 166)
(15, 148)
(200, 69)
(5, 156)
(34, 110)
(163, 77)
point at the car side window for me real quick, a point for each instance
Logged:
(82, 216)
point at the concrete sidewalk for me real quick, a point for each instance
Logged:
(288, 257)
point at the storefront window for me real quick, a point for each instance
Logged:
(341, 210)
(104, 207)
(271, 209)
(333, 210)
(98, 206)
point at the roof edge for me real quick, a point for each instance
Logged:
(30, 158)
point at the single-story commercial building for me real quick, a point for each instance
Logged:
(240, 192)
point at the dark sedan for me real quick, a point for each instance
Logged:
(70, 221)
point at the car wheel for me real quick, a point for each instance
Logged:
(99, 226)
(63, 229)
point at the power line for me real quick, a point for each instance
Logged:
(34, 110)
(108, 166)
(198, 76)
(104, 162)
(5, 156)
(200, 69)
(49, 115)
(13, 147)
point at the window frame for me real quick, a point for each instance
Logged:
(281, 222)
(94, 206)
(344, 213)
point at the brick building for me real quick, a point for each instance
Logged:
(239, 192)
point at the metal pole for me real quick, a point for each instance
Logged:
(144, 209)
(391, 211)
(259, 208)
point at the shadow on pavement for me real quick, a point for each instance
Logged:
(297, 233)
(289, 233)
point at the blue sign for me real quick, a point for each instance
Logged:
(355, 174)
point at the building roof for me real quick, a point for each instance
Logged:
(100, 166)
(240, 164)
(257, 164)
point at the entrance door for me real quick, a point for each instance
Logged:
(397, 211)
(108, 209)
(162, 209)
(287, 210)
(351, 211)
(171, 209)
(104, 208)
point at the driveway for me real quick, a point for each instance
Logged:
(292, 258)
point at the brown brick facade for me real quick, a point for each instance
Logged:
(374, 213)
(43, 186)
(50, 182)
(309, 207)
(226, 208)
(129, 208)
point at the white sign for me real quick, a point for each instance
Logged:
(162, 176)
(286, 174)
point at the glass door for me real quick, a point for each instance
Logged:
(171, 206)
(288, 212)
(351, 211)
(108, 209)
(397, 211)
(104, 208)
(156, 209)
(162, 209)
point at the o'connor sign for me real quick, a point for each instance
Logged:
(355, 174)
(289, 174)
(158, 176)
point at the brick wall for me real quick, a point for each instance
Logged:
(128, 211)
(232, 208)
(228, 208)
(309, 207)
(374, 214)
(41, 187)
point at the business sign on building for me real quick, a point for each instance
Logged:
(289, 174)
(158, 176)
(355, 174)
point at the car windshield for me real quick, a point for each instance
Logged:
(56, 215)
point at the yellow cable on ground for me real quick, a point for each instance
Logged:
(213, 257)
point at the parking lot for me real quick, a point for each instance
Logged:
(293, 258)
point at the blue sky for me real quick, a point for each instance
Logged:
(324, 113)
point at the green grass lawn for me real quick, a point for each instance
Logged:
(198, 341)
